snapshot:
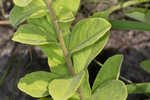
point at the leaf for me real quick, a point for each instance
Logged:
(45, 99)
(138, 88)
(43, 23)
(98, 1)
(56, 59)
(22, 3)
(110, 90)
(82, 59)
(137, 14)
(109, 71)
(102, 14)
(146, 65)
(85, 86)
(129, 25)
(87, 32)
(20, 14)
(35, 84)
(65, 10)
(57, 90)
(54, 53)
(140, 14)
(147, 17)
(31, 34)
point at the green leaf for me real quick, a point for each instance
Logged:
(43, 23)
(129, 25)
(59, 92)
(103, 14)
(137, 13)
(65, 27)
(85, 86)
(147, 17)
(22, 3)
(35, 84)
(146, 65)
(140, 14)
(87, 32)
(110, 90)
(45, 99)
(65, 10)
(109, 71)
(31, 34)
(56, 59)
(20, 14)
(54, 53)
(138, 88)
(82, 58)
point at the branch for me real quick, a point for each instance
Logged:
(62, 44)
(5, 22)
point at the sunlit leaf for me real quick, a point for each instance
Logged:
(20, 14)
(87, 32)
(31, 34)
(110, 90)
(35, 84)
(65, 10)
(22, 3)
(83, 58)
(62, 89)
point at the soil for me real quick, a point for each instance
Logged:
(22, 59)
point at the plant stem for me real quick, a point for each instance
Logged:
(125, 5)
(61, 39)
(63, 46)
(100, 64)
(4, 22)
(125, 79)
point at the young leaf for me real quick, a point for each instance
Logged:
(146, 65)
(20, 14)
(110, 90)
(35, 84)
(87, 32)
(138, 88)
(31, 34)
(109, 71)
(56, 59)
(59, 92)
(82, 58)
(129, 25)
(65, 9)
(22, 3)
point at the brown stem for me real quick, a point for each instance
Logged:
(5, 22)
(63, 46)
